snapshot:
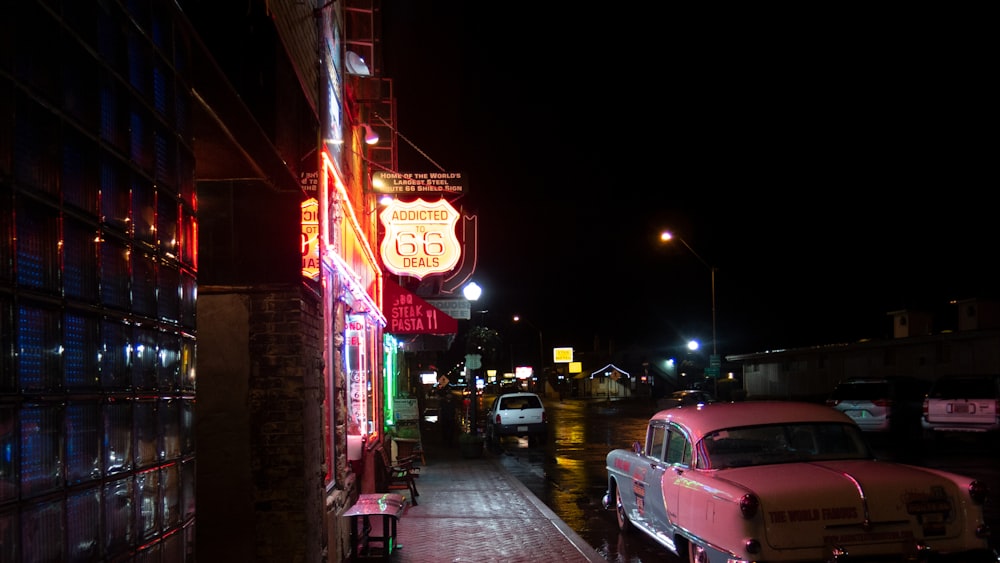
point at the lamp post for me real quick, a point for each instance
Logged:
(666, 236)
(541, 348)
(472, 292)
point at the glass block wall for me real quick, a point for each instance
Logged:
(98, 283)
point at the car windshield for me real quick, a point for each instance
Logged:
(782, 443)
(520, 402)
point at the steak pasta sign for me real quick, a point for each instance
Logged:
(420, 238)
(408, 313)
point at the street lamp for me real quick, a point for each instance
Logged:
(541, 349)
(666, 236)
(472, 292)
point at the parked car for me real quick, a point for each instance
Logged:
(517, 414)
(788, 481)
(882, 404)
(963, 403)
(685, 397)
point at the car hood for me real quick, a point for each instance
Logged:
(851, 502)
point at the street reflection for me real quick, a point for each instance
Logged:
(570, 477)
(568, 474)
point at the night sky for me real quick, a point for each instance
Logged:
(833, 167)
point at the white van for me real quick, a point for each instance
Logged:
(962, 403)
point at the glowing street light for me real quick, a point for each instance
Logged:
(472, 291)
(667, 236)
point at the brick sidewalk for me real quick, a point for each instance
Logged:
(473, 510)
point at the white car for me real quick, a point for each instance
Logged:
(963, 404)
(887, 405)
(517, 414)
(767, 481)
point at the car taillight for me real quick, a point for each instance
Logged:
(497, 419)
(749, 504)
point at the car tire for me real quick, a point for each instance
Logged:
(696, 553)
(623, 522)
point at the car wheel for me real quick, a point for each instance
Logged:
(696, 553)
(623, 523)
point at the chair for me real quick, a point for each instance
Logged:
(401, 475)
(365, 541)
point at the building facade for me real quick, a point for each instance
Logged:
(923, 346)
(98, 283)
(185, 189)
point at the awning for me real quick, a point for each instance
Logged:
(407, 313)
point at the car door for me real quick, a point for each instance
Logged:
(674, 484)
(644, 477)
(649, 495)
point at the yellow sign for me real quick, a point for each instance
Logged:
(310, 238)
(575, 367)
(420, 238)
(562, 355)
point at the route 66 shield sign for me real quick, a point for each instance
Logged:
(420, 237)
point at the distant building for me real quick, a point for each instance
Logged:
(916, 349)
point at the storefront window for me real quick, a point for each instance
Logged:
(358, 381)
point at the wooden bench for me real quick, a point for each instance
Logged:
(366, 541)
(400, 475)
(410, 448)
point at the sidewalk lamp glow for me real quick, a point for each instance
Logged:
(472, 291)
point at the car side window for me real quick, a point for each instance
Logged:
(678, 448)
(655, 440)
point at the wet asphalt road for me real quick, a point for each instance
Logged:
(568, 472)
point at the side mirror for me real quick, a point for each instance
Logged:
(637, 447)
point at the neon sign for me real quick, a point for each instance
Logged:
(420, 238)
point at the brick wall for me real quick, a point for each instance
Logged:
(260, 440)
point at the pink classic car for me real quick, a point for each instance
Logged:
(764, 481)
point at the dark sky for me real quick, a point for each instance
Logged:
(832, 167)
